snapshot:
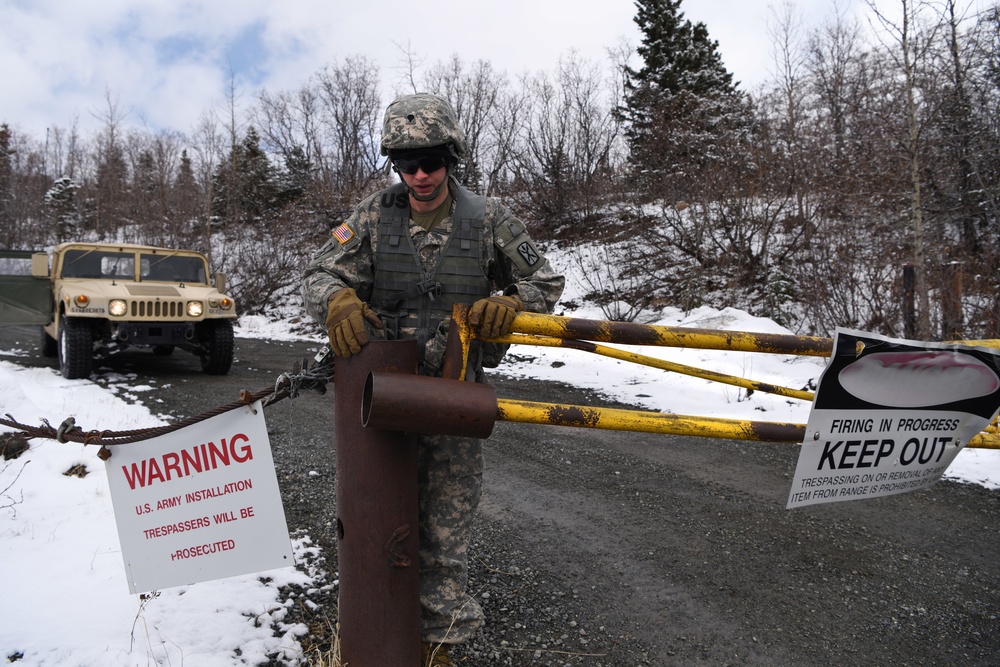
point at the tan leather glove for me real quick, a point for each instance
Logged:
(345, 322)
(492, 316)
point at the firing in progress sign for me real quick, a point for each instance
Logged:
(890, 416)
(199, 503)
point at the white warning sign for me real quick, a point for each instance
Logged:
(890, 416)
(199, 503)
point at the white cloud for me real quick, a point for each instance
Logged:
(167, 59)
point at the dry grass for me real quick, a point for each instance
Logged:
(324, 651)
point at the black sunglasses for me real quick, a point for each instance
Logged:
(429, 164)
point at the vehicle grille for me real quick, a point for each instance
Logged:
(157, 309)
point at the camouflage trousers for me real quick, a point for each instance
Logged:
(450, 482)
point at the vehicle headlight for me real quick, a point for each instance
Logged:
(117, 307)
(195, 308)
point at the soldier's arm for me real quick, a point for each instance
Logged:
(343, 261)
(521, 269)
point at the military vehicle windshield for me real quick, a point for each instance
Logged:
(98, 264)
(172, 268)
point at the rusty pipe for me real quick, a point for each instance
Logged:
(428, 405)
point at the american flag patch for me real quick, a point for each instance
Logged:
(343, 234)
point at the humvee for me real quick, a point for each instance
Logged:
(93, 299)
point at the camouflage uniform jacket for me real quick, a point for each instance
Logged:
(509, 259)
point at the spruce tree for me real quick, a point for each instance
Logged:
(244, 186)
(186, 204)
(678, 56)
(60, 202)
(679, 94)
(108, 210)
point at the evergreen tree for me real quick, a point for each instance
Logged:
(144, 191)
(186, 204)
(676, 102)
(296, 179)
(60, 201)
(244, 187)
(678, 56)
(109, 205)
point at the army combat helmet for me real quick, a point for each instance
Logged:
(422, 121)
(422, 125)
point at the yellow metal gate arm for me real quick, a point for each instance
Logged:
(653, 362)
(613, 419)
(630, 333)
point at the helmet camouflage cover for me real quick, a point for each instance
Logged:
(419, 121)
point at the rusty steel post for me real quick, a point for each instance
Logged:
(377, 520)
(951, 302)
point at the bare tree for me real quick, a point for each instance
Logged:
(287, 122)
(909, 49)
(483, 103)
(109, 212)
(786, 33)
(153, 160)
(409, 67)
(209, 145)
(833, 51)
(350, 164)
(63, 155)
(567, 145)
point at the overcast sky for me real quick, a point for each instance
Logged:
(166, 62)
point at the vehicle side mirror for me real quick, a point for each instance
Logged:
(40, 265)
(220, 283)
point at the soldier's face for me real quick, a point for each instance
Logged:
(424, 183)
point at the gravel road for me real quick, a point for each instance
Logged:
(605, 549)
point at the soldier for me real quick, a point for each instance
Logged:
(393, 270)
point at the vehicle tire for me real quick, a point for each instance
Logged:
(76, 348)
(48, 345)
(163, 350)
(217, 339)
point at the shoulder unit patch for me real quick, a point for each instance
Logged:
(528, 253)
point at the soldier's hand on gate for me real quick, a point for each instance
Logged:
(493, 315)
(345, 322)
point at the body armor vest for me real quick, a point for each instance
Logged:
(419, 297)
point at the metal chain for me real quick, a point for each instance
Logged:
(314, 375)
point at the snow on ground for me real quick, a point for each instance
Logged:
(62, 577)
(61, 564)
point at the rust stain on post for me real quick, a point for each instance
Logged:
(776, 432)
(456, 352)
(573, 415)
